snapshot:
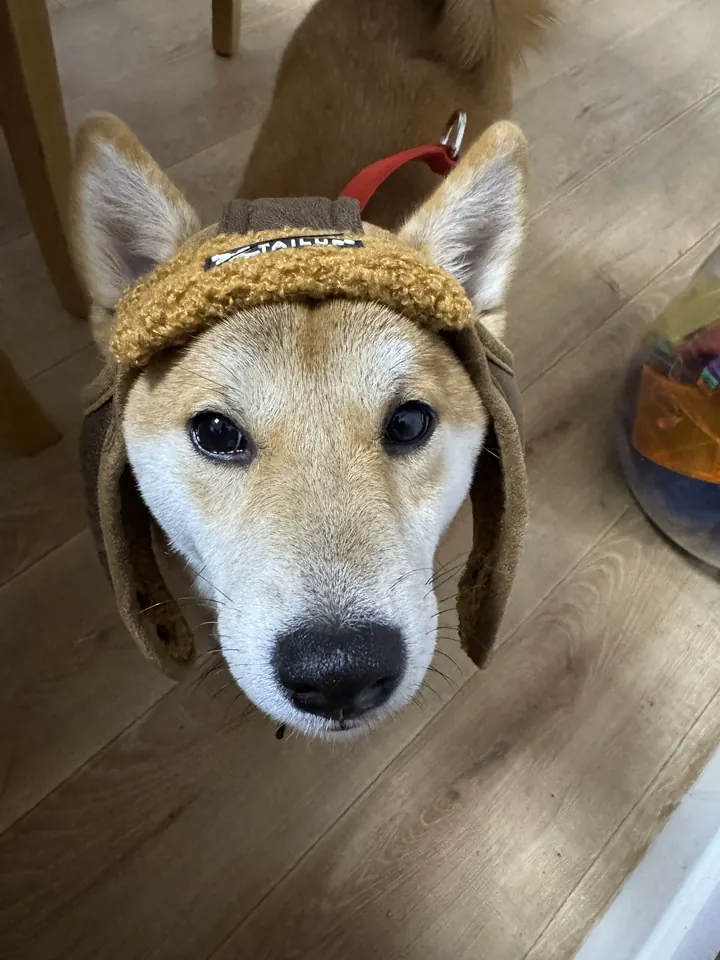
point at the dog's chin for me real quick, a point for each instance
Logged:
(336, 731)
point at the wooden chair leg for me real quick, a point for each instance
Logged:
(33, 120)
(24, 427)
(225, 24)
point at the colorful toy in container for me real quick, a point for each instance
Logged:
(669, 426)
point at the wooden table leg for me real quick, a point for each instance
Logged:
(24, 428)
(33, 120)
(225, 23)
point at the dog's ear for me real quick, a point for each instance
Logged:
(474, 223)
(127, 217)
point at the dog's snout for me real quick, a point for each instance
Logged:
(340, 672)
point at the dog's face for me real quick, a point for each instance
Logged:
(306, 459)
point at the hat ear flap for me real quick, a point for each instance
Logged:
(498, 496)
(473, 226)
(123, 531)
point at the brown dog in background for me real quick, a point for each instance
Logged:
(363, 79)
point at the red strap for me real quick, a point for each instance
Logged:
(364, 185)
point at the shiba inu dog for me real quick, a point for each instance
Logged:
(304, 451)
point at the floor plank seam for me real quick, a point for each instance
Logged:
(189, 47)
(426, 728)
(12, 824)
(623, 306)
(640, 800)
(610, 162)
(609, 47)
(39, 559)
(70, 356)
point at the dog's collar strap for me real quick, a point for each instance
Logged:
(123, 529)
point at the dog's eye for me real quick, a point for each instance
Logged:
(216, 436)
(408, 427)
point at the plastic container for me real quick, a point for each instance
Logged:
(669, 418)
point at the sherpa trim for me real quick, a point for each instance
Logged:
(182, 297)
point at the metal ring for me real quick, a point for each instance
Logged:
(456, 131)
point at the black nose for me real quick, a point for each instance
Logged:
(340, 672)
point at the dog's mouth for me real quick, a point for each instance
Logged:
(334, 729)
(344, 726)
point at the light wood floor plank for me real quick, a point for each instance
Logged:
(72, 679)
(504, 801)
(41, 499)
(178, 829)
(153, 34)
(35, 331)
(580, 121)
(585, 30)
(602, 242)
(576, 491)
(145, 821)
(562, 937)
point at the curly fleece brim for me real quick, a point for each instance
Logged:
(180, 298)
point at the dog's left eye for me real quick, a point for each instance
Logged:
(218, 437)
(408, 427)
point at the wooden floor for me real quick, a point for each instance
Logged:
(138, 820)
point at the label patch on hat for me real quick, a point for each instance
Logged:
(281, 243)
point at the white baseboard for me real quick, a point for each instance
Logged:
(669, 907)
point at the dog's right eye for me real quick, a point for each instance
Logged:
(216, 436)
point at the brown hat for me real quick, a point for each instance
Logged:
(293, 249)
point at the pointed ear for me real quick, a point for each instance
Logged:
(474, 223)
(127, 217)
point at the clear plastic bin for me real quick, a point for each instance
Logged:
(669, 418)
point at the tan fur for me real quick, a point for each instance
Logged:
(362, 79)
(99, 132)
(309, 349)
(324, 518)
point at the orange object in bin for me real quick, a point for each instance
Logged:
(678, 426)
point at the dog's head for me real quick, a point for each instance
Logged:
(304, 456)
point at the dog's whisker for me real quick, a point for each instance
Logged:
(196, 683)
(404, 576)
(450, 682)
(444, 566)
(444, 610)
(217, 693)
(213, 587)
(446, 579)
(425, 685)
(235, 699)
(441, 653)
(179, 601)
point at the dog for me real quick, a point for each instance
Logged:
(306, 458)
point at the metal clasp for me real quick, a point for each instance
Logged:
(456, 131)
